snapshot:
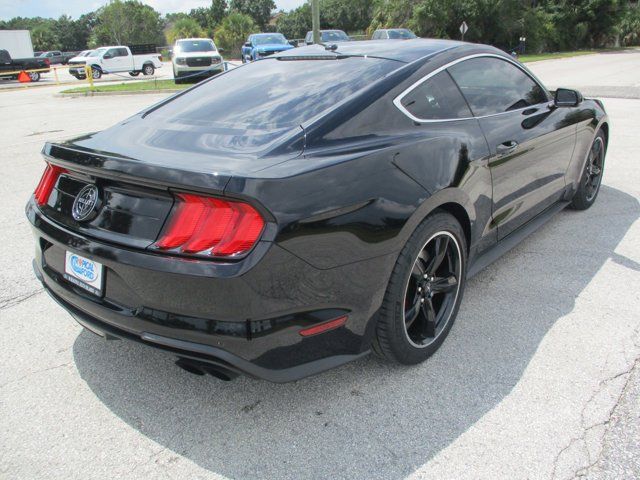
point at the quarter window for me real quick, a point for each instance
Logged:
(492, 85)
(436, 99)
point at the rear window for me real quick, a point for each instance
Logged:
(274, 93)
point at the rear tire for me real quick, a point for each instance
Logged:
(591, 177)
(148, 70)
(424, 292)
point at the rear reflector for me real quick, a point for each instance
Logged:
(47, 182)
(211, 226)
(324, 327)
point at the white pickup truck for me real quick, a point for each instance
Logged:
(117, 59)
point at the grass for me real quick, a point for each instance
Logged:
(576, 53)
(550, 56)
(131, 86)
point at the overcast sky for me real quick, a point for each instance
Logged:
(75, 8)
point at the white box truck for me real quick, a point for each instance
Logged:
(17, 43)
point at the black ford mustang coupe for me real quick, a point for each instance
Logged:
(298, 212)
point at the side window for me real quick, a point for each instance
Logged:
(113, 52)
(436, 99)
(492, 85)
(376, 35)
(122, 52)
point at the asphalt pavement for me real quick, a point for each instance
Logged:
(539, 378)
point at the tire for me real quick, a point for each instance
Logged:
(34, 76)
(148, 70)
(591, 176)
(401, 337)
(96, 73)
(134, 74)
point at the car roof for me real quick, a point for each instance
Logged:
(192, 39)
(402, 50)
(265, 33)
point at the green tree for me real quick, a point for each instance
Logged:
(258, 10)
(43, 37)
(184, 28)
(124, 22)
(233, 32)
(296, 23)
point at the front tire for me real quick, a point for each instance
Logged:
(96, 73)
(424, 292)
(34, 76)
(591, 177)
(134, 74)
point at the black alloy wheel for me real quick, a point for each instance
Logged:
(424, 292)
(432, 289)
(592, 174)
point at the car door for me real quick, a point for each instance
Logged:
(125, 61)
(530, 141)
(110, 60)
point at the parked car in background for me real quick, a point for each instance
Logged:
(134, 59)
(195, 58)
(260, 45)
(328, 36)
(393, 34)
(81, 56)
(56, 57)
(8, 64)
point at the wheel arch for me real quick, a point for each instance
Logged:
(450, 200)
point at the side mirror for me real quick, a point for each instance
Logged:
(220, 50)
(247, 44)
(565, 97)
(293, 43)
(107, 56)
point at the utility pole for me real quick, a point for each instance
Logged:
(315, 20)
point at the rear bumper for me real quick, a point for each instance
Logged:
(244, 317)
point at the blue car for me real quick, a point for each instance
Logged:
(260, 45)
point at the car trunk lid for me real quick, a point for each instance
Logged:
(136, 168)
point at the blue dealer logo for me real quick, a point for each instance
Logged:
(83, 268)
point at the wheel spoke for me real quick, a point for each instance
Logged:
(444, 284)
(440, 251)
(418, 269)
(429, 318)
(411, 315)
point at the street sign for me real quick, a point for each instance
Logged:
(463, 29)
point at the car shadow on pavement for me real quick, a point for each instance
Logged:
(368, 419)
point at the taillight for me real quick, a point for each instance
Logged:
(47, 182)
(211, 227)
(48, 62)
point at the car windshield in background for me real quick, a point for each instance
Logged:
(274, 93)
(336, 36)
(97, 53)
(187, 46)
(269, 40)
(401, 34)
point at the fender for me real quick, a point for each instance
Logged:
(584, 140)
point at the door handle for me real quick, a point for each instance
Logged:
(506, 147)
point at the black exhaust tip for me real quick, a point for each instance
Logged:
(202, 368)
